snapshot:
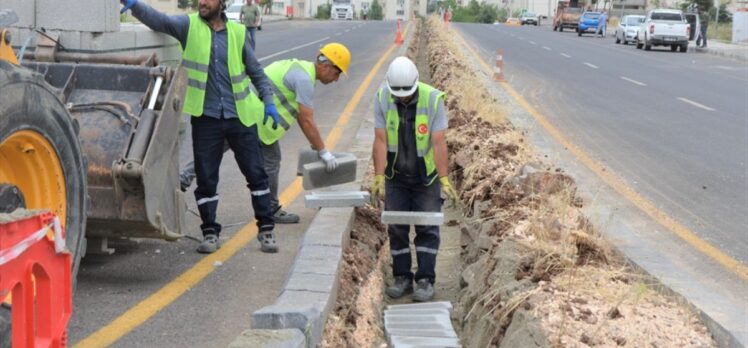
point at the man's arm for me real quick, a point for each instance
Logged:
(257, 15)
(309, 128)
(379, 150)
(175, 26)
(255, 72)
(438, 140)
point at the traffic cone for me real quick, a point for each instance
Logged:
(399, 35)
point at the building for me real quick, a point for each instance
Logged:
(166, 6)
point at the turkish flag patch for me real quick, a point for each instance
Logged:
(422, 129)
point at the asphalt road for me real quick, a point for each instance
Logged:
(217, 309)
(673, 126)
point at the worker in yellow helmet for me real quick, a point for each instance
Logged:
(292, 82)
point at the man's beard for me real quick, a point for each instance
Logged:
(210, 14)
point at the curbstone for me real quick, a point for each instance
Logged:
(337, 199)
(326, 226)
(428, 311)
(422, 333)
(303, 310)
(316, 175)
(285, 338)
(321, 283)
(407, 342)
(412, 218)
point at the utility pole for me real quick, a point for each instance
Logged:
(716, 20)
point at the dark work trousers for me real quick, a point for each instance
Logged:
(409, 194)
(272, 156)
(208, 135)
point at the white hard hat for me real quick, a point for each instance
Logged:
(402, 77)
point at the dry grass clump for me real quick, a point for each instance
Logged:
(527, 245)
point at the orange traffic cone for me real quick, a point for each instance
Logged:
(399, 35)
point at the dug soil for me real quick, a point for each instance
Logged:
(519, 261)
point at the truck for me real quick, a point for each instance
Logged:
(341, 10)
(91, 138)
(567, 16)
(664, 27)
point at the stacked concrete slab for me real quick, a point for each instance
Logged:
(420, 325)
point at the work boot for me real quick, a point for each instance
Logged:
(209, 245)
(283, 217)
(403, 285)
(268, 244)
(424, 291)
(185, 181)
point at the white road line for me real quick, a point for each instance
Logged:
(565, 55)
(338, 34)
(293, 48)
(701, 106)
(546, 48)
(593, 66)
(633, 81)
(532, 42)
(347, 30)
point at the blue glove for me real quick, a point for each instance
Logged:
(128, 5)
(270, 111)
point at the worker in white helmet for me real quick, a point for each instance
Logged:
(410, 167)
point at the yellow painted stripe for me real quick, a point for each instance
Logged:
(618, 185)
(154, 303)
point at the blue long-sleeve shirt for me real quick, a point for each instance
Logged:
(219, 96)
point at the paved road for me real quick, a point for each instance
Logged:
(673, 126)
(217, 309)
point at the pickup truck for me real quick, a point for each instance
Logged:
(566, 18)
(664, 27)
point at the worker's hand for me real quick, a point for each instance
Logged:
(128, 5)
(271, 111)
(448, 190)
(329, 160)
(377, 189)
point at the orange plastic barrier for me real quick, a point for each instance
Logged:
(399, 34)
(35, 271)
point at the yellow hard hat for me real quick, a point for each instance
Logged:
(338, 55)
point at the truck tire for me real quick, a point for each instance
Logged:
(684, 48)
(647, 45)
(5, 326)
(673, 48)
(638, 44)
(32, 116)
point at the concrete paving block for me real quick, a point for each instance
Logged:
(425, 305)
(307, 156)
(441, 319)
(285, 338)
(422, 333)
(418, 326)
(317, 266)
(437, 311)
(337, 199)
(303, 310)
(319, 252)
(316, 176)
(404, 341)
(322, 283)
(412, 218)
(330, 227)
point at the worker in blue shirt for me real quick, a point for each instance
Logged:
(220, 63)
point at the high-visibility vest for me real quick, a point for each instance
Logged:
(428, 99)
(284, 98)
(196, 58)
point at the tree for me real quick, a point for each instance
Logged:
(323, 11)
(376, 12)
(184, 3)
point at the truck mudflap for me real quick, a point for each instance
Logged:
(129, 120)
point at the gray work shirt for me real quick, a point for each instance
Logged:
(407, 157)
(219, 96)
(298, 81)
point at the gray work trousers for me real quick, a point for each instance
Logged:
(272, 156)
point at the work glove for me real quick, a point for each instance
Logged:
(377, 189)
(448, 190)
(329, 160)
(271, 111)
(128, 5)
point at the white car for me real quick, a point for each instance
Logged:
(628, 28)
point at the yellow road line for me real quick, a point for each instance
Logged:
(617, 184)
(154, 303)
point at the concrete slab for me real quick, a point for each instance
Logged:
(437, 311)
(285, 338)
(418, 326)
(330, 228)
(337, 199)
(422, 333)
(412, 218)
(321, 283)
(307, 156)
(303, 310)
(404, 341)
(426, 305)
(316, 175)
(395, 319)
(316, 266)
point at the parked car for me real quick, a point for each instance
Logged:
(566, 17)
(529, 18)
(628, 28)
(588, 22)
(663, 27)
(512, 21)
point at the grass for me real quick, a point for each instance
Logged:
(724, 32)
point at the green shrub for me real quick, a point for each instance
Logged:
(323, 11)
(376, 12)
